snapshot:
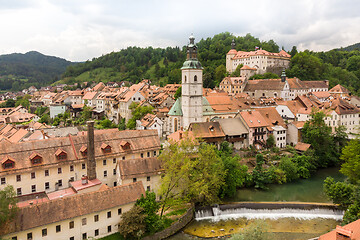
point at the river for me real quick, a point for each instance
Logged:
(303, 190)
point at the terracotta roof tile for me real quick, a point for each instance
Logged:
(140, 167)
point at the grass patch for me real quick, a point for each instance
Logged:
(177, 212)
(115, 236)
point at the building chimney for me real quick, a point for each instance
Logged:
(91, 164)
(84, 180)
(343, 234)
(283, 76)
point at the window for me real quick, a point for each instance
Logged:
(134, 179)
(83, 166)
(59, 170)
(32, 175)
(148, 154)
(141, 155)
(29, 236)
(60, 183)
(71, 225)
(44, 232)
(71, 179)
(105, 173)
(72, 238)
(114, 171)
(96, 232)
(18, 191)
(114, 160)
(83, 221)
(104, 162)
(109, 228)
(3, 180)
(119, 211)
(18, 178)
(33, 188)
(123, 158)
(96, 218)
(148, 188)
(58, 228)
(154, 153)
(109, 214)
(47, 185)
(71, 168)
(46, 173)
(115, 184)
(84, 236)
(148, 178)
(14, 238)
(195, 78)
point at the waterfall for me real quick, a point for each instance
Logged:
(255, 212)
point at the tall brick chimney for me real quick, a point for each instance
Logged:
(91, 163)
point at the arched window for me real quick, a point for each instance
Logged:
(185, 78)
(195, 78)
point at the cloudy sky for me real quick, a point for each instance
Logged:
(78, 30)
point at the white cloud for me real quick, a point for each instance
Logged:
(83, 29)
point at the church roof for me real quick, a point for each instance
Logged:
(177, 111)
(192, 64)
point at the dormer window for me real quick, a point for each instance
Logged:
(8, 163)
(35, 158)
(106, 148)
(61, 154)
(125, 145)
(83, 150)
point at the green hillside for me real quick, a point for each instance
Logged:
(18, 71)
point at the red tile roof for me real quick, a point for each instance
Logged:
(352, 230)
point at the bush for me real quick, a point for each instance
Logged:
(290, 169)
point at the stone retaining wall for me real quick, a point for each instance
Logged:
(175, 227)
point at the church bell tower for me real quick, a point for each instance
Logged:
(191, 86)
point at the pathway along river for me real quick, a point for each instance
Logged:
(304, 190)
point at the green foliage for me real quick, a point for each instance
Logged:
(40, 111)
(23, 101)
(21, 71)
(193, 173)
(151, 207)
(351, 157)
(45, 119)
(270, 142)
(138, 112)
(277, 175)
(305, 66)
(256, 231)
(132, 224)
(8, 103)
(8, 208)
(105, 124)
(236, 73)
(319, 135)
(268, 75)
(122, 124)
(305, 165)
(290, 169)
(339, 192)
(177, 93)
(260, 177)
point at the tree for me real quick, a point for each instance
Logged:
(132, 224)
(293, 51)
(193, 173)
(138, 112)
(151, 207)
(339, 192)
(8, 202)
(260, 177)
(318, 134)
(290, 169)
(305, 66)
(350, 156)
(177, 93)
(237, 71)
(10, 103)
(270, 142)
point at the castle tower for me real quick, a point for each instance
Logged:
(191, 87)
(229, 58)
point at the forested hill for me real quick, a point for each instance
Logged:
(350, 48)
(19, 71)
(163, 65)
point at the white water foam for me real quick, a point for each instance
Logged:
(270, 214)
